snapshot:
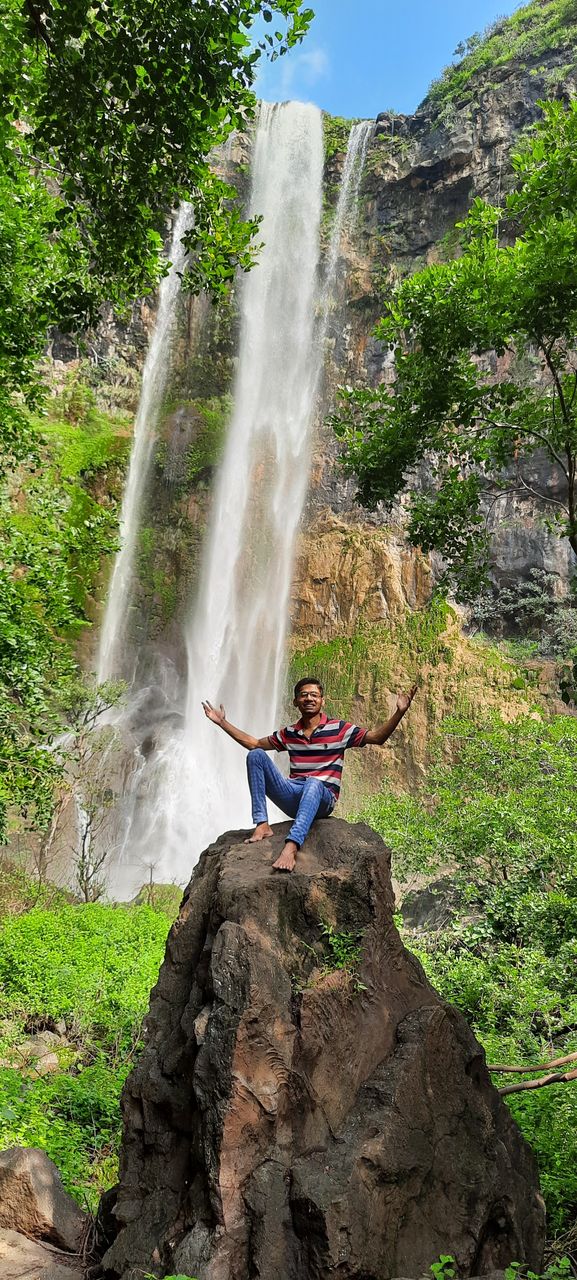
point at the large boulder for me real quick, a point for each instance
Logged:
(33, 1200)
(292, 1119)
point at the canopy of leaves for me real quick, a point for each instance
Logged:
(486, 372)
(502, 817)
(126, 101)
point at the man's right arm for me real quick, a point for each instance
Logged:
(244, 739)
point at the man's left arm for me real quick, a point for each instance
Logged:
(376, 737)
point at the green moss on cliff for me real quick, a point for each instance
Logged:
(336, 132)
(204, 452)
(539, 28)
(369, 660)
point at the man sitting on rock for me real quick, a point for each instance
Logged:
(316, 747)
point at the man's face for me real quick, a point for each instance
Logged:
(309, 700)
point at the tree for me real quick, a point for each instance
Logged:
(485, 368)
(110, 110)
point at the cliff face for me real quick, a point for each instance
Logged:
(422, 173)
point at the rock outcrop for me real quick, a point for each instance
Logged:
(294, 1119)
(24, 1259)
(33, 1200)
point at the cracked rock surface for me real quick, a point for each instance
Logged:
(290, 1121)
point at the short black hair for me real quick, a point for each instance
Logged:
(307, 680)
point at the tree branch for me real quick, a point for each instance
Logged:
(522, 487)
(554, 1078)
(512, 426)
(555, 376)
(544, 497)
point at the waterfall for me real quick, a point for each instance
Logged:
(192, 785)
(347, 203)
(113, 659)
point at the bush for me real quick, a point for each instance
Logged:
(92, 966)
(503, 816)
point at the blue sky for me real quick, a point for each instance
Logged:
(363, 56)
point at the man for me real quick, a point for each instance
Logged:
(316, 747)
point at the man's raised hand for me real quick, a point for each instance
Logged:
(212, 713)
(404, 699)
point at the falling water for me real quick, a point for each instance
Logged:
(113, 656)
(347, 203)
(193, 785)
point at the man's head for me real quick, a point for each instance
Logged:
(308, 695)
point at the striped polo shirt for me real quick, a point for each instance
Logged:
(321, 755)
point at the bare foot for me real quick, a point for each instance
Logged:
(288, 857)
(261, 832)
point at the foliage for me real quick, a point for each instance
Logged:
(74, 1118)
(126, 105)
(544, 623)
(457, 430)
(502, 816)
(54, 534)
(336, 132)
(531, 607)
(20, 891)
(93, 967)
(344, 953)
(532, 30)
(558, 1269)
(444, 1268)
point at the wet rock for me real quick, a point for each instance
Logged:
(33, 1200)
(292, 1118)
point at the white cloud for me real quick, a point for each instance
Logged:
(304, 68)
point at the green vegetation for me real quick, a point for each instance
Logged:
(502, 819)
(55, 526)
(204, 453)
(344, 954)
(478, 426)
(373, 655)
(336, 132)
(531, 31)
(91, 968)
(120, 112)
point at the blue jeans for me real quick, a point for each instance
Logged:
(303, 799)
